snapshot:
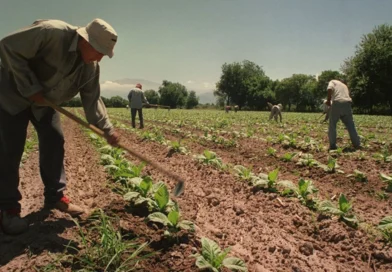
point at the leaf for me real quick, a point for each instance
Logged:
(287, 184)
(263, 176)
(105, 149)
(186, 225)
(107, 159)
(273, 175)
(111, 167)
(350, 219)
(210, 249)
(344, 205)
(257, 182)
(145, 186)
(219, 259)
(327, 207)
(386, 178)
(173, 217)
(303, 186)
(159, 217)
(204, 264)
(385, 223)
(141, 200)
(162, 197)
(235, 264)
(131, 195)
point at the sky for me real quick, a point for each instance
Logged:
(188, 41)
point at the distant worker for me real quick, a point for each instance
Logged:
(339, 94)
(236, 108)
(275, 111)
(136, 98)
(227, 108)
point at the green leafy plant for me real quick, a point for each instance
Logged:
(331, 165)
(266, 182)
(359, 176)
(382, 196)
(271, 151)
(176, 146)
(388, 180)
(304, 191)
(288, 157)
(171, 221)
(214, 259)
(337, 152)
(155, 197)
(290, 140)
(243, 173)
(385, 226)
(210, 158)
(343, 210)
(385, 155)
(307, 160)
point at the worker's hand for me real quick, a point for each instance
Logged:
(38, 98)
(112, 138)
(328, 103)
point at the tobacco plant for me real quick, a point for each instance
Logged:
(213, 258)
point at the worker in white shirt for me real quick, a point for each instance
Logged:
(340, 102)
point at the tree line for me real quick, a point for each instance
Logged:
(368, 75)
(170, 94)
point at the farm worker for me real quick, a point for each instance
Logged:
(227, 109)
(275, 111)
(54, 60)
(339, 94)
(326, 109)
(236, 108)
(136, 98)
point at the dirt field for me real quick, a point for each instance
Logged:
(267, 227)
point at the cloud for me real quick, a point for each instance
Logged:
(110, 88)
(190, 82)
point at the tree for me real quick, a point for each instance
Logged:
(259, 93)
(107, 102)
(296, 90)
(192, 100)
(240, 82)
(369, 70)
(118, 102)
(172, 94)
(221, 98)
(152, 96)
(74, 102)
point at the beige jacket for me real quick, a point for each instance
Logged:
(44, 57)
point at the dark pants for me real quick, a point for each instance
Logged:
(13, 130)
(133, 116)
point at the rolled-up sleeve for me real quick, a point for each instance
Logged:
(90, 94)
(15, 51)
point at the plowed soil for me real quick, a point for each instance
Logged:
(268, 232)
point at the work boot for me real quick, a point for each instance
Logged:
(12, 223)
(65, 205)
